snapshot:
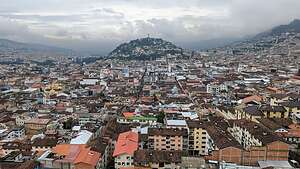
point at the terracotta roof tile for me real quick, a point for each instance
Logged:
(77, 154)
(127, 143)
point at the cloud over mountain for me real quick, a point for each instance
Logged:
(98, 25)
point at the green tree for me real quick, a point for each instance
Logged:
(160, 117)
(69, 123)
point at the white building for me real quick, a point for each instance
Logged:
(16, 133)
(216, 88)
(126, 145)
(176, 124)
(82, 137)
(91, 82)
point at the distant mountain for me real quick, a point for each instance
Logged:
(146, 49)
(293, 27)
(12, 47)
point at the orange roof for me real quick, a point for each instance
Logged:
(292, 133)
(294, 126)
(127, 143)
(171, 111)
(76, 153)
(147, 98)
(128, 114)
(252, 98)
(37, 85)
(87, 156)
(273, 89)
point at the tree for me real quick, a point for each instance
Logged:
(160, 117)
(69, 123)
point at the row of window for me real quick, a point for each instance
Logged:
(123, 163)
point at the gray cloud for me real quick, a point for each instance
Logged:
(98, 25)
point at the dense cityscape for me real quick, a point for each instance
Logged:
(152, 104)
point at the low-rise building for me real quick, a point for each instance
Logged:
(13, 134)
(157, 159)
(43, 144)
(125, 147)
(68, 156)
(130, 117)
(36, 124)
(216, 88)
(259, 142)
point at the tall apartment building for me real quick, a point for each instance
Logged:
(167, 139)
(198, 138)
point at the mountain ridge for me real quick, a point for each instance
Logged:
(292, 27)
(11, 46)
(145, 49)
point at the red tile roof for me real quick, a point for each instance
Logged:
(254, 98)
(127, 143)
(77, 154)
(128, 114)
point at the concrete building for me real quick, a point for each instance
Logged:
(157, 159)
(216, 88)
(36, 124)
(126, 145)
(198, 138)
(67, 156)
(259, 142)
(167, 139)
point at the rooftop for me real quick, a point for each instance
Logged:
(127, 143)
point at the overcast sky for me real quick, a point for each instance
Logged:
(99, 25)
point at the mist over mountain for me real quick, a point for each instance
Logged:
(13, 47)
(144, 48)
(292, 27)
